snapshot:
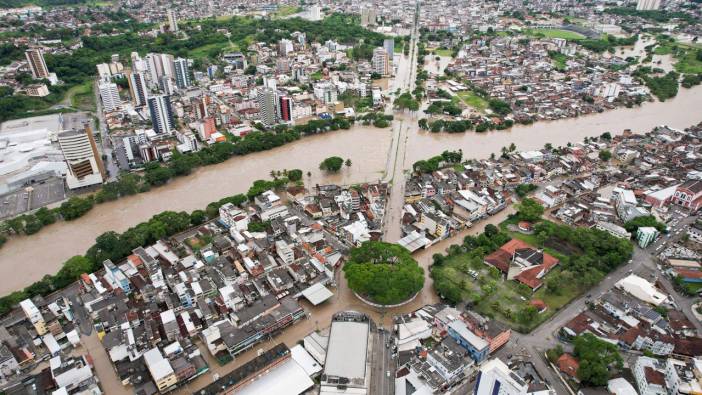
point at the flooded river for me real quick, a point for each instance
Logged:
(367, 147)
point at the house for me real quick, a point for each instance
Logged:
(477, 348)
(689, 194)
(650, 376)
(521, 262)
(568, 365)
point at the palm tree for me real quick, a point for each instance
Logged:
(272, 173)
(309, 174)
(348, 162)
(512, 147)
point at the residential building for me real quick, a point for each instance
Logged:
(161, 114)
(648, 5)
(109, 95)
(267, 106)
(477, 348)
(381, 62)
(495, 377)
(650, 377)
(34, 316)
(683, 377)
(646, 235)
(37, 90)
(160, 369)
(182, 73)
(689, 195)
(389, 45)
(285, 109)
(172, 21)
(37, 64)
(613, 229)
(138, 89)
(85, 166)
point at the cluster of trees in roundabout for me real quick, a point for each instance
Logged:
(383, 273)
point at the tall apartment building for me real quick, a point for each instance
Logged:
(648, 5)
(380, 62)
(35, 58)
(85, 166)
(172, 21)
(285, 108)
(389, 45)
(182, 73)
(161, 114)
(138, 89)
(160, 64)
(109, 95)
(368, 16)
(267, 106)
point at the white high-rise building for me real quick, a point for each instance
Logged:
(35, 58)
(159, 65)
(85, 166)
(182, 73)
(109, 96)
(648, 5)
(161, 114)
(381, 64)
(267, 106)
(285, 46)
(172, 21)
(368, 16)
(138, 89)
(315, 13)
(495, 377)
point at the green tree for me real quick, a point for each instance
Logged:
(644, 221)
(197, 217)
(332, 164)
(530, 210)
(605, 155)
(348, 163)
(384, 272)
(596, 357)
(295, 175)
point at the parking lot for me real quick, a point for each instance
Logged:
(22, 200)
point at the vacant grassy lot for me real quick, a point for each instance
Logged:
(210, 49)
(286, 10)
(82, 96)
(473, 100)
(689, 63)
(556, 33)
(444, 52)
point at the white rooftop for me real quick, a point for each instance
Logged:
(346, 353)
(317, 293)
(289, 378)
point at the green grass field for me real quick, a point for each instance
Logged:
(473, 100)
(286, 10)
(207, 50)
(689, 64)
(555, 33)
(82, 96)
(444, 52)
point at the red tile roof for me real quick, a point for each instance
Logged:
(568, 365)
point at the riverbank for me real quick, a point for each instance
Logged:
(366, 146)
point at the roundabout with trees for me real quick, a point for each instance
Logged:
(383, 273)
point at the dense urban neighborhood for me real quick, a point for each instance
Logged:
(339, 197)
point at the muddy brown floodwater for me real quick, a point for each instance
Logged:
(24, 260)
